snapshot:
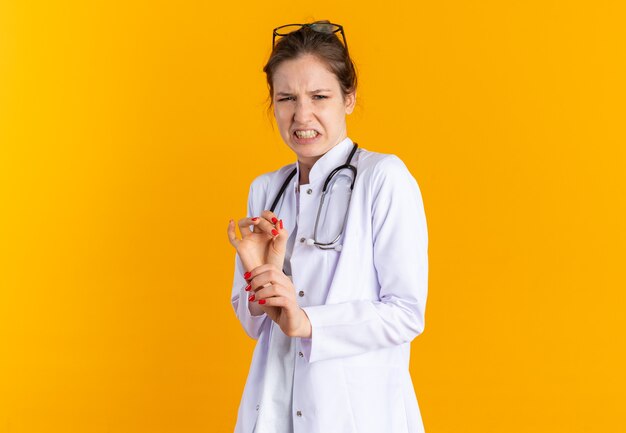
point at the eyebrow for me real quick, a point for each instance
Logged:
(312, 91)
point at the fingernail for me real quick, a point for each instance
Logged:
(248, 287)
(274, 232)
(247, 276)
(274, 220)
(281, 224)
(251, 298)
(261, 301)
(255, 218)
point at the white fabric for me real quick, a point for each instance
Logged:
(366, 303)
(275, 416)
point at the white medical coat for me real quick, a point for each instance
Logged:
(366, 303)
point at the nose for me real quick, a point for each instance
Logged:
(303, 111)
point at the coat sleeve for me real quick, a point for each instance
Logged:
(400, 254)
(239, 297)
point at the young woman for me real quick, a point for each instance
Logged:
(331, 270)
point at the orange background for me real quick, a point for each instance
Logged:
(129, 134)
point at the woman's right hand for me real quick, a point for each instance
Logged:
(266, 244)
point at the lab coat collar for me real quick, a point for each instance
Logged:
(335, 157)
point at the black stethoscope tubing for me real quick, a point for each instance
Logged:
(313, 241)
(328, 179)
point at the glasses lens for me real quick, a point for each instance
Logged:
(325, 27)
(285, 30)
(334, 208)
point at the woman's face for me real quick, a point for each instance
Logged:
(309, 108)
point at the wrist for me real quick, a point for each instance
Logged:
(306, 329)
(279, 263)
(249, 262)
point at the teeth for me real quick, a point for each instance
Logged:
(309, 133)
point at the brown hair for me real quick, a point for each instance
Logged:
(327, 47)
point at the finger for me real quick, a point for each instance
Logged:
(270, 216)
(270, 291)
(262, 293)
(279, 233)
(232, 235)
(265, 274)
(245, 223)
(255, 286)
(259, 270)
(279, 243)
(277, 301)
(265, 226)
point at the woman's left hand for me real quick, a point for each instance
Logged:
(276, 295)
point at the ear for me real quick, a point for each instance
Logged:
(350, 101)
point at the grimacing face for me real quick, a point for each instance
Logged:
(309, 107)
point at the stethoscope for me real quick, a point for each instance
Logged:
(313, 241)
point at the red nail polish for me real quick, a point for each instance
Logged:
(247, 276)
(261, 301)
(274, 232)
(281, 224)
(248, 288)
(255, 218)
(274, 220)
(251, 298)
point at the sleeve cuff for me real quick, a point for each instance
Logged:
(307, 343)
(305, 347)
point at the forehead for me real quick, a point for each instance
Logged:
(304, 73)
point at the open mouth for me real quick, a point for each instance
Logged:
(307, 133)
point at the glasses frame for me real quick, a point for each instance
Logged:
(312, 27)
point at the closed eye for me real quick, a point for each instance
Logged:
(291, 98)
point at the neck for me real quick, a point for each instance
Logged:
(306, 165)
(305, 169)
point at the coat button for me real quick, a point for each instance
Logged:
(299, 413)
(309, 191)
(302, 240)
(301, 293)
(257, 407)
(301, 354)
